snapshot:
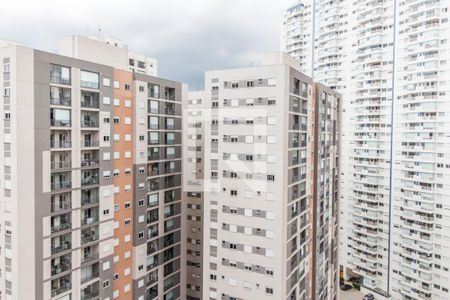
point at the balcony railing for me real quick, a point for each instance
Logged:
(89, 220)
(88, 238)
(63, 266)
(89, 256)
(60, 185)
(58, 165)
(89, 163)
(61, 227)
(60, 144)
(89, 277)
(60, 248)
(92, 199)
(88, 143)
(90, 295)
(59, 80)
(89, 181)
(90, 104)
(89, 84)
(60, 206)
(60, 123)
(89, 123)
(66, 101)
(65, 286)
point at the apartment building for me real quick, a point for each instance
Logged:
(195, 117)
(98, 148)
(269, 169)
(389, 60)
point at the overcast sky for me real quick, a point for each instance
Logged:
(186, 36)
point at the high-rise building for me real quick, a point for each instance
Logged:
(390, 62)
(269, 174)
(90, 176)
(195, 116)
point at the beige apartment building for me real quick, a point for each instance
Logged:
(262, 144)
(90, 175)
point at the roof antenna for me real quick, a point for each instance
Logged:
(251, 63)
(99, 31)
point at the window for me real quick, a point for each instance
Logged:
(250, 83)
(89, 80)
(127, 86)
(233, 192)
(152, 200)
(153, 137)
(59, 74)
(269, 290)
(153, 90)
(105, 284)
(60, 117)
(153, 122)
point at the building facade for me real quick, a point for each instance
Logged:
(99, 150)
(270, 153)
(389, 61)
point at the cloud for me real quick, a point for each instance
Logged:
(187, 37)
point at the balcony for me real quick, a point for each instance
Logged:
(59, 74)
(169, 93)
(61, 243)
(60, 181)
(88, 273)
(60, 222)
(89, 177)
(61, 285)
(90, 99)
(91, 292)
(61, 264)
(89, 80)
(89, 235)
(60, 96)
(169, 109)
(90, 254)
(60, 203)
(152, 231)
(89, 216)
(89, 197)
(152, 216)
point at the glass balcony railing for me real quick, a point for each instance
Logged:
(64, 101)
(61, 285)
(89, 163)
(60, 144)
(60, 123)
(89, 123)
(60, 185)
(58, 165)
(89, 181)
(59, 79)
(61, 227)
(89, 143)
(89, 238)
(63, 246)
(61, 265)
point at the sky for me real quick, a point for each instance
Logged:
(187, 37)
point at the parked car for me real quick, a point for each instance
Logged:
(345, 287)
(368, 297)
